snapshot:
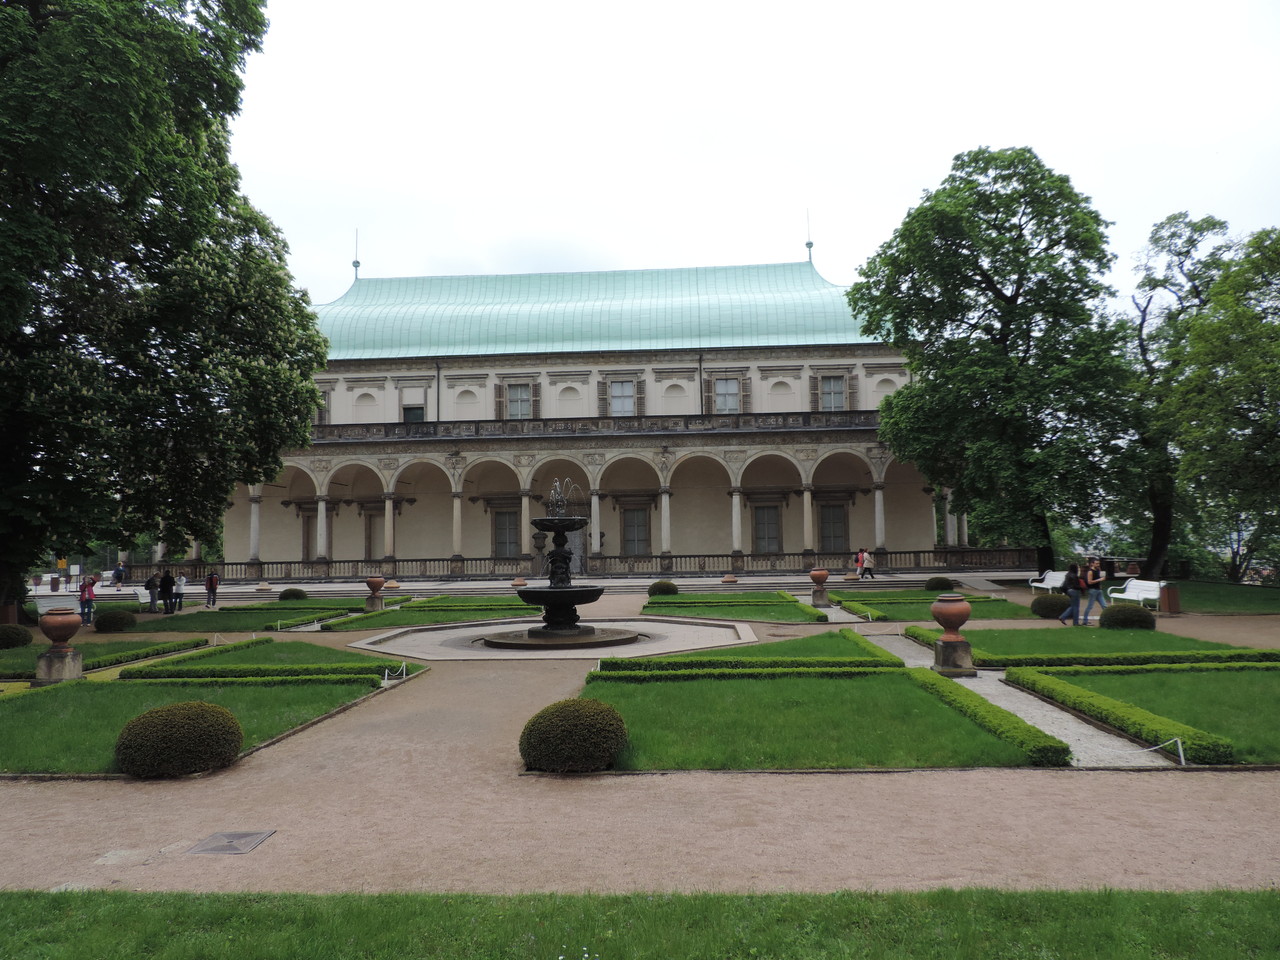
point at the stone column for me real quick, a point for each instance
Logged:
(878, 491)
(526, 523)
(388, 526)
(962, 526)
(735, 518)
(949, 522)
(664, 519)
(457, 525)
(255, 527)
(322, 528)
(807, 499)
(595, 523)
(195, 551)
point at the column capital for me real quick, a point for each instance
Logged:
(255, 498)
(878, 486)
(664, 491)
(526, 492)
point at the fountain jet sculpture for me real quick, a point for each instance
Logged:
(559, 600)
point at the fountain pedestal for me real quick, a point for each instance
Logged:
(560, 600)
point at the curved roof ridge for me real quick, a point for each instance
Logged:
(762, 305)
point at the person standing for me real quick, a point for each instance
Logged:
(860, 561)
(869, 564)
(86, 601)
(166, 591)
(179, 590)
(152, 586)
(1071, 585)
(211, 590)
(117, 575)
(1094, 576)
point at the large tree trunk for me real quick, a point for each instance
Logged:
(1044, 549)
(1160, 500)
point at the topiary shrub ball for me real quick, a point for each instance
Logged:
(293, 593)
(178, 739)
(663, 588)
(13, 636)
(573, 736)
(939, 583)
(1127, 616)
(1050, 605)
(114, 621)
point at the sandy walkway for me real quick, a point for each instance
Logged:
(420, 789)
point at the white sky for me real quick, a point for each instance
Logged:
(510, 137)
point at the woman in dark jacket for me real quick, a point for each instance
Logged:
(1073, 587)
(166, 591)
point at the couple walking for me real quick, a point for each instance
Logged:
(1075, 584)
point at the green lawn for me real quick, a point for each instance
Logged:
(970, 924)
(439, 610)
(72, 727)
(253, 619)
(1227, 598)
(1081, 640)
(831, 643)
(789, 723)
(280, 653)
(774, 606)
(24, 658)
(1240, 705)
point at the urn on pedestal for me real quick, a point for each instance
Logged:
(951, 654)
(61, 661)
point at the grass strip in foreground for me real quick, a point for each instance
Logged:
(861, 718)
(933, 925)
(72, 727)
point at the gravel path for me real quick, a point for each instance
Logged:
(420, 788)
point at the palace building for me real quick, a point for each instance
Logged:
(714, 419)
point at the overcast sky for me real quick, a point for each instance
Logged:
(513, 137)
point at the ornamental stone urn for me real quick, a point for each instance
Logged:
(373, 602)
(61, 661)
(951, 654)
(819, 596)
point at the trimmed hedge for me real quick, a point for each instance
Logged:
(940, 583)
(1041, 749)
(747, 673)
(221, 649)
(178, 739)
(995, 661)
(13, 636)
(1127, 616)
(1197, 745)
(579, 735)
(361, 679)
(293, 593)
(862, 610)
(663, 588)
(114, 621)
(163, 672)
(874, 657)
(159, 650)
(1048, 606)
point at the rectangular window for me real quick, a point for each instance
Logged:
(768, 532)
(635, 532)
(728, 398)
(832, 394)
(622, 398)
(413, 414)
(834, 537)
(519, 401)
(506, 533)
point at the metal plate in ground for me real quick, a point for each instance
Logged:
(230, 842)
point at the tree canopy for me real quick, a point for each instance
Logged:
(153, 347)
(990, 285)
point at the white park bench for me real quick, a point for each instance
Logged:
(1145, 592)
(1050, 580)
(48, 601)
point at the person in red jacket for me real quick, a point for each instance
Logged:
(211, 590)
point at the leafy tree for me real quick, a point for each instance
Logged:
(1227, 400)
(989, 285)
(1181, 264)
(152, 346)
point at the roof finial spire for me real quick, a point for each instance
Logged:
(355, 264)
(808, 233)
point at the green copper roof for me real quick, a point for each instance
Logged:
(780, 304)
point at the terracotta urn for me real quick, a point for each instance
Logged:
(60, 624)
(951, 611)
(375, 584)
(819, 576)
